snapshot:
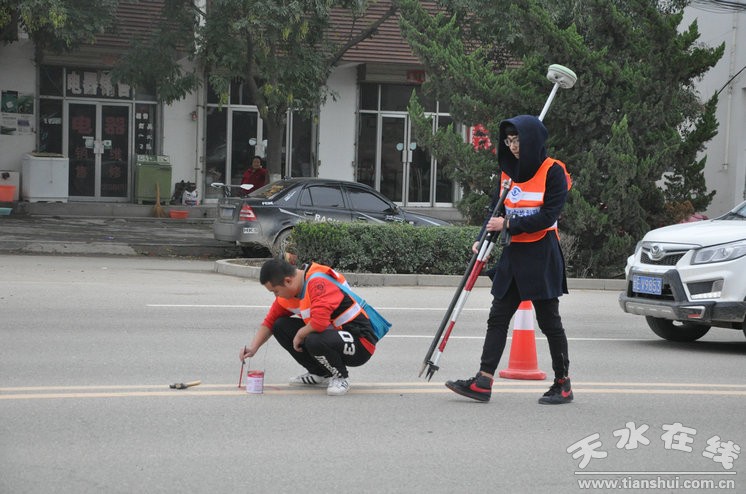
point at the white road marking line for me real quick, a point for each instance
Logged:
(266, 306)
(538, 337)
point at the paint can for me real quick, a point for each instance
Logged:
(255, 381)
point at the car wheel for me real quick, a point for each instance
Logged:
(281, 243)
(676, 330)
(255, 251)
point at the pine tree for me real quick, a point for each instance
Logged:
(631, 117)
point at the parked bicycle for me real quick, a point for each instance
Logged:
(228, 188)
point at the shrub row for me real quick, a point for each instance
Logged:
(389, 248)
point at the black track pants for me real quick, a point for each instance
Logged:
(325, 354)
(550, 323)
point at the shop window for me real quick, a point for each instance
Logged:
(302, 146)
(243, 130)
(366, 152)
(369, 96)
(50, 81)
(395, 97)
(444, 187)
(427, 99)
(444, 105)
(212, 96)
(145, 93)
(216, 154)
(240, 93)
(50, 125)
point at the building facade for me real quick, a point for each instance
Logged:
(361, 134)
(725, 170)
(68, 105)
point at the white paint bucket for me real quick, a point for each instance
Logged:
(255, 381)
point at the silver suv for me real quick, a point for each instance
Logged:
(689, 277)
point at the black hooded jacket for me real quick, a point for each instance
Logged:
(538, 268)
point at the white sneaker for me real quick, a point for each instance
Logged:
(309, 379)
(338, 386)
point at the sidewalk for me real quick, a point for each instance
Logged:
(95, 229)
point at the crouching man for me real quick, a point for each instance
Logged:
(321, 327)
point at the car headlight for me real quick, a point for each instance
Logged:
(720, 253)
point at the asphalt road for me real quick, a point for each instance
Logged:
(90, 345)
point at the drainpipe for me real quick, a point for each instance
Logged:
(728, 109)
(199, 134)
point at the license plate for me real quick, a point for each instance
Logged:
(248, 230)
(647, 284)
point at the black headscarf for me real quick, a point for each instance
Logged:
(532, 150)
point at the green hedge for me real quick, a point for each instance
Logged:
(390, 248)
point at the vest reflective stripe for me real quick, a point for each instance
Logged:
(533, 196)
(348, 315)
(526, 198)
(345, 317)
(305, 303)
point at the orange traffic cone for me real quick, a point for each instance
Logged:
(523, 363)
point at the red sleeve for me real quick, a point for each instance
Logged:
(275, 312)
(325, 298)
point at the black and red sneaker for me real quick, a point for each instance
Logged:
(560, 392)
(477, 388)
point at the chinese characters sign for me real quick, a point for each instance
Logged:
(95, 83)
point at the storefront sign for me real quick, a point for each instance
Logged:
(95, 84)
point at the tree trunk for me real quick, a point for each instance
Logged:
(275, 142)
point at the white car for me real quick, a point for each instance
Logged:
(689, 277)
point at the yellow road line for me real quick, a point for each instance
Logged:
(500, 387)
(498, 383)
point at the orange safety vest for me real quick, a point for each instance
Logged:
(289, 304)
(526, 198)
(305, 300)
(293, 304)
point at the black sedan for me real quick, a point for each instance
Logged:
(267, 215)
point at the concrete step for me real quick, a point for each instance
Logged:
(110, 210)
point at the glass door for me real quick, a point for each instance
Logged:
(115, 141)
(244, 130)
(231, 140)
(405, 167)
(98, 146)
(82, 125)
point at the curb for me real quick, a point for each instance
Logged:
(240, 268)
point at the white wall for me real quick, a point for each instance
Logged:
(725, 171)
(337, 124)
(180, 139)
(17, 73)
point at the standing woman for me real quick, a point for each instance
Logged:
(531, 267)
